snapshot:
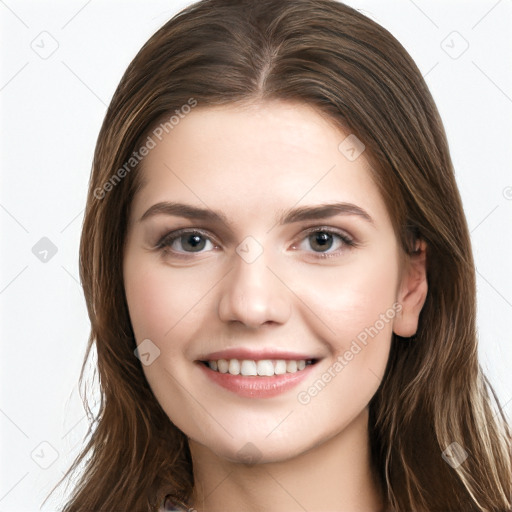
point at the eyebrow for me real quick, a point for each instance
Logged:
(288, 216)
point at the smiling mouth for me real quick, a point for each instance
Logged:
(258, 368)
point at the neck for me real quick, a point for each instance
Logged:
(333, 476)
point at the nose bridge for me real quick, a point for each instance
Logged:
(252, 294)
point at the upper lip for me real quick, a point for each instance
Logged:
(246, 353)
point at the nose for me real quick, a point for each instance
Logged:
(252, 295)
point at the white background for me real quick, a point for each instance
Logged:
(51, 112)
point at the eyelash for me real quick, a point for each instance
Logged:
(167, 240)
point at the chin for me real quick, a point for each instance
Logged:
(256, 449)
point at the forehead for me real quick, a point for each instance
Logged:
(256, 157)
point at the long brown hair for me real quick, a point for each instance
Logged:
(433, 394)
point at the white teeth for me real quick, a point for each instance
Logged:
(223, 366)
(265, 368)
(291, 366)
(280, 367)
(248, 368)
(234, 367)
(262, 368)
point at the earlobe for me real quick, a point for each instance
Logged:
(413, 292)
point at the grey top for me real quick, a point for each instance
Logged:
(169, 506)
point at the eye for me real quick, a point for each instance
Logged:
(325, 242)
(322, 242)
(186, 241)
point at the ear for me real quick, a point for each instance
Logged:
(412, 292)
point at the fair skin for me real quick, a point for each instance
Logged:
(251, 165)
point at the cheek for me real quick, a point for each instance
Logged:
(357, 304)
(148, 303)
(162, 299)
(353, 296)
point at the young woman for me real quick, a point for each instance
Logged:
(279, 278)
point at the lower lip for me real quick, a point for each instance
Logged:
(257, 387)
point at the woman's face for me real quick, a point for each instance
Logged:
(243, 265)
